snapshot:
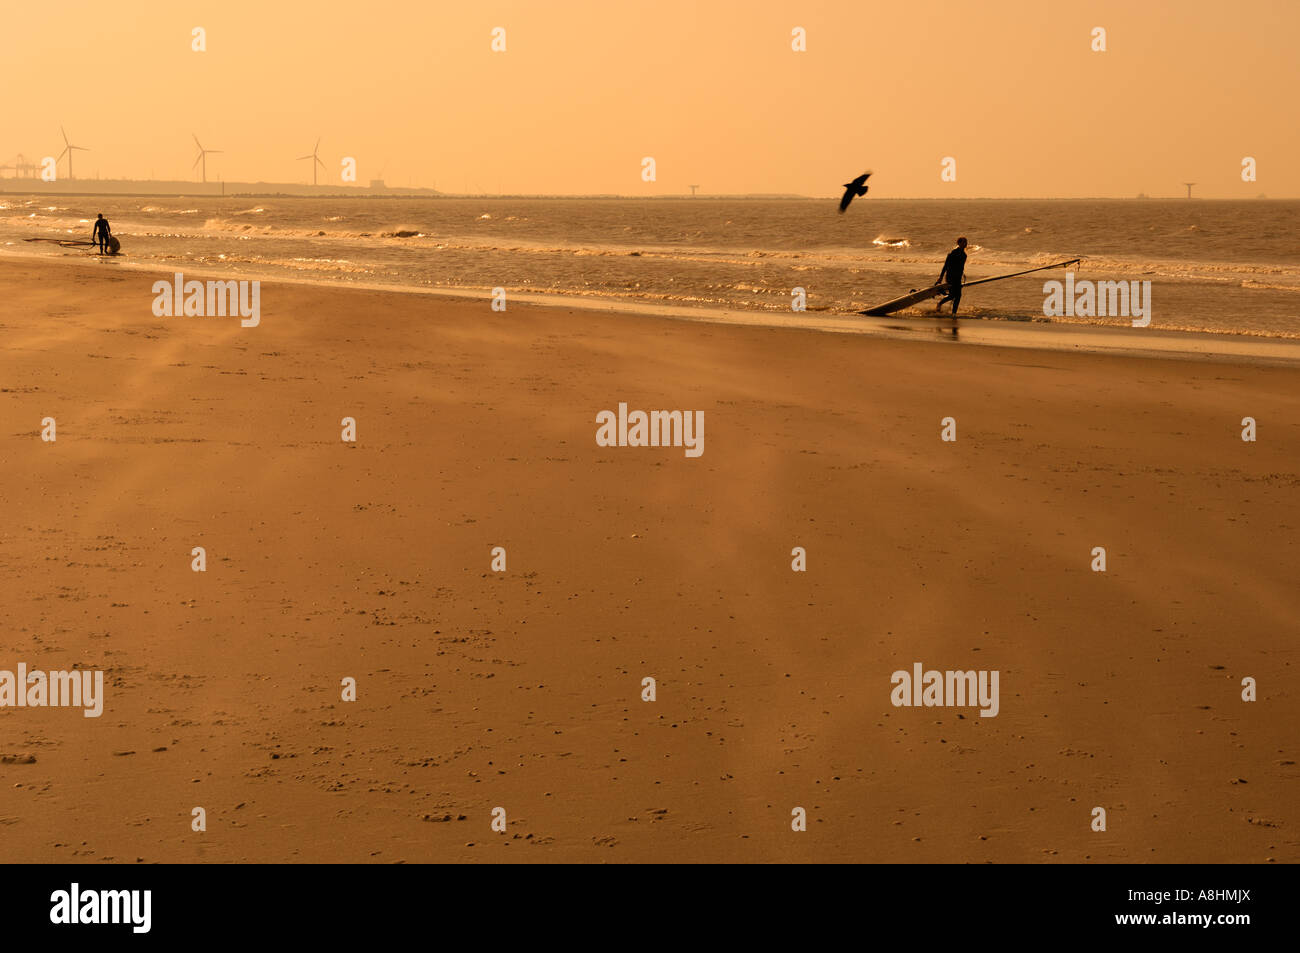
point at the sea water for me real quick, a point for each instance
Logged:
(1214, 266)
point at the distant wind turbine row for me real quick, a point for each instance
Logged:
(200, 163)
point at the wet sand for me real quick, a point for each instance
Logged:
(522, 689)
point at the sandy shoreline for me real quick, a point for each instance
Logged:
(916, 324)
(522, 689)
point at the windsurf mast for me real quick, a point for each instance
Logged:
(1014, 274)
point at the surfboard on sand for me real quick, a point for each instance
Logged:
(917, 295)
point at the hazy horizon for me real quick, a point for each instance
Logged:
(212, 190)
(715, 94)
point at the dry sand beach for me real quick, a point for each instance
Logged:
(522, 689)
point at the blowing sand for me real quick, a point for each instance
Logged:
(521, 689)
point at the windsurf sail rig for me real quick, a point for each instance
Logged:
(65, 242)
(915, 296)
(114, 246)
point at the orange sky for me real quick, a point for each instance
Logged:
(710, 89)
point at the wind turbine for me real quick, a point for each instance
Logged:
(67, 150)
(203, 156)
(315, 160)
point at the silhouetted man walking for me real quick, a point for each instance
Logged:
(953, 267)
(100, 235)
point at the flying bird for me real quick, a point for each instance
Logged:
(857, 187)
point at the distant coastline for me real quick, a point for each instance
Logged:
(149, 188)
(164, 188)
(176, 187)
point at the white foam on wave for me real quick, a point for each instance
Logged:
(1267, 285)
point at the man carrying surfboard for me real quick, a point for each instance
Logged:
(953, 267)
(100, 234)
